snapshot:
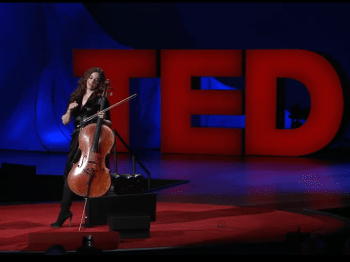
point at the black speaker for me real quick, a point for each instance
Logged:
(128, 184)
(132, 225)
(98, 209)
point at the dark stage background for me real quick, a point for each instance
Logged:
(37, 39)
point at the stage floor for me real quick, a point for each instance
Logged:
(25, 229)
(294, 185)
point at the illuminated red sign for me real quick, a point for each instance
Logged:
(262, 68)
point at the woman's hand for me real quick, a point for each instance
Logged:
(66, 118)
(105, 121)
(72, 106)
(101, 114)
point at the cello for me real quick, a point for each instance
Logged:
(89, 177)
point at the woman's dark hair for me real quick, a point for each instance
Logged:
(99, 88)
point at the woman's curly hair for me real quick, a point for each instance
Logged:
(99, 88)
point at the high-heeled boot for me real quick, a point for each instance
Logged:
(65, 212)
(62, 217)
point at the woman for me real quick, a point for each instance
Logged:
(83, 103)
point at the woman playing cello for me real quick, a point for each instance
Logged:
(83, 103)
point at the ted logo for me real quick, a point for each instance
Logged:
(323, 78)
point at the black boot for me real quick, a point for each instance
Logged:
(62, 217)
(66, 203)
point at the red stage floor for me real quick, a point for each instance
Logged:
(176, 225)
(228, 199)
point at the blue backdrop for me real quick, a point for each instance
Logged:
(37, 40)
(36, 70)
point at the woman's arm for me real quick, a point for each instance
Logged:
(67, 117)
